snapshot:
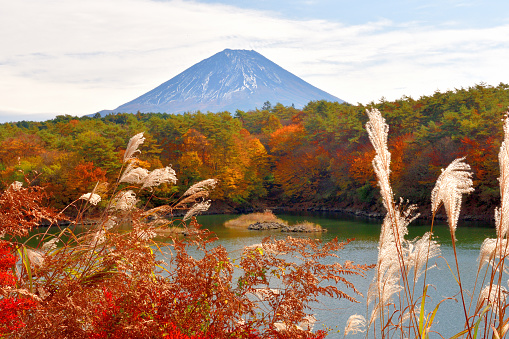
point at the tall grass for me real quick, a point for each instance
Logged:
(396, 300)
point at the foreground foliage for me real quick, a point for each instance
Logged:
(119, 278)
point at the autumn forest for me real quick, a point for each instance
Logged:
(275, 156)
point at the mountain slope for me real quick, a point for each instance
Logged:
(228, 80)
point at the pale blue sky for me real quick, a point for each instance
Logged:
(79, 57)
(460, 13)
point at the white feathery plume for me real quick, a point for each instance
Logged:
(264, 249)
(280, 326)
(16, 185)
(92, 198)
(160, 176)
(378, 131)
(99, 238)
(197, 208)
(501, 220)
(386, 281)
(419, 251)
(494, 295)
(307, 323)
(124, 201)
(35, 257)
(454, 181)
(492, 248)
(133, 175)
(110, 223)
(356, 323)
(145, 234)
(502, 213)
(266, 293)
(203, 185)
(132, 146)
(50, 245)
(388, 271)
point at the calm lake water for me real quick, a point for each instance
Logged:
(332, 313)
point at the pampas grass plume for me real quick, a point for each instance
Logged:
(92, 198)
(207, 184)
(197, 208)
(160, 176)
(132, 146)
(356, 323)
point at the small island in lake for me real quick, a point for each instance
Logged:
(267, 220)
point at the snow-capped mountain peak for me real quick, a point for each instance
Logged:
(228, 80)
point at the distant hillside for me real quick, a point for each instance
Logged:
(227, 81)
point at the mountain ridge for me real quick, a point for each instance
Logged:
(226, 81)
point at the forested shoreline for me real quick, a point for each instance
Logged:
(318, 157)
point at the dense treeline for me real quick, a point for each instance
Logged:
(317, 156)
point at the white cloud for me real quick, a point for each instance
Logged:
(78, 57)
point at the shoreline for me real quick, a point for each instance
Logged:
(222, 208)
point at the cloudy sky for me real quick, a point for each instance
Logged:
(79, 57)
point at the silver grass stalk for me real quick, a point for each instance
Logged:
(203, 185)
(390, 262)
(452, 183)
(197, 208)
(502, 213)
(132, 146)
(92, 198)
(356, 323)
(160, 176)
(133, 175)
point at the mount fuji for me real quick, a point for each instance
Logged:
(227, 81)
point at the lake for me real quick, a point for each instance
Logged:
(334, 313)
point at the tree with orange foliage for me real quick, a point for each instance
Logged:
(297, 165)
(83, 178)
(21, 146)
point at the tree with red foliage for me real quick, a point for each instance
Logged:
(10, 307)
